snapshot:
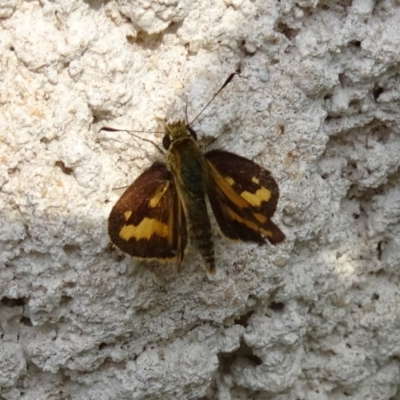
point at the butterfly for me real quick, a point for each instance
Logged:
(166, 205)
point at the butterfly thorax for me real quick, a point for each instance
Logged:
(186, 160)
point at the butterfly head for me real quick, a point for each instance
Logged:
(177, 131)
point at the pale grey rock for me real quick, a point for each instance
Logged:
(316, 102)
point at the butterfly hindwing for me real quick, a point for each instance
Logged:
(243, 197)
(148, 220)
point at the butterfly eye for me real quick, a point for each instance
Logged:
(166, 142)
(192, 133)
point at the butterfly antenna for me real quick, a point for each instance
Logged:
(109, 129)
(230, 77)
(186, 115)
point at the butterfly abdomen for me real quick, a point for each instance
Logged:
(200, 230)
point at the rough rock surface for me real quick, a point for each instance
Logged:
(317, 103)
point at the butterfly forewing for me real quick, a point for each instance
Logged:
(148, 220)
(243, 197)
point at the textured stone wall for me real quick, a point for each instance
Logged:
(316, 103)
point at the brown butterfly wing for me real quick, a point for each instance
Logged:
(243, 197)
(148, 220)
